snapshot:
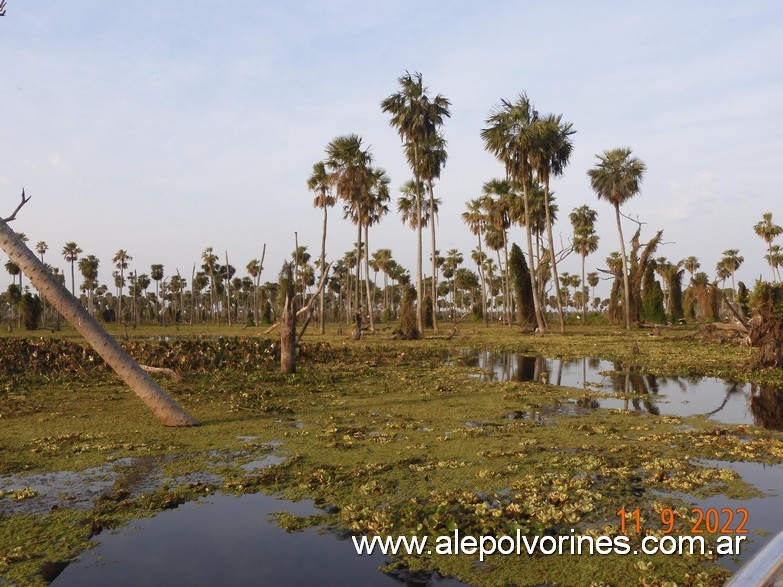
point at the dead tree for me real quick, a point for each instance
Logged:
(158, 401)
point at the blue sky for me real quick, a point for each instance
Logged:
(166, 127)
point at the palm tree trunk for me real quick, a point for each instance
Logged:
(552, 254)
(484, 316)
(419, 280)
(507, 290)
(158, 401)
(434, 281)
(584, 295)
(534, 288)
(322, 317)
(626, 285)
(370, 304)
(357, 306)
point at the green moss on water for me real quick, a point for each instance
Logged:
(396, 441)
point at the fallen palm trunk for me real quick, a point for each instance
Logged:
(158, 401)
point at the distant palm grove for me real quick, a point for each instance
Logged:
(497, 281)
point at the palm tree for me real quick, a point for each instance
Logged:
(769, 231)
(453, 261)
(88, 267)
(432, 158)
(499, 202)
(616, 178)
(210, 264)
(476, 220)
(509, 136)
(593, 280)
(775, 259)
(382, 258)
(159, 402)
(121, 260)
(417, 119)
(376, 207)
(254, 269)
(731, 261)
(71, 252)
(585, 240)
(320, 182)
(156, 273)
(349, 164)
(691, 265)
(551, 151)
(41, 249)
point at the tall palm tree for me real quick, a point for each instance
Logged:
(320, 182)
(349, 164)
(432, 158)
(691, 265)
(156, 274)
(616, 178)
(769, 231)
(417, 119)
(775, 259)
(499, 201)
(383, 261)
(476, 220)
(209, 266)
(585, 240)
(552, 147)
(731, 261)
(375, 208)
(509, 136)
(157, 400)
(88, 267)
(71, 252)
(121, 260)
(41, 247)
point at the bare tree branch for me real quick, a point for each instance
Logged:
(2, 13)
(25, 199)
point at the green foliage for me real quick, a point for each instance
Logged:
(55, 357)
(520, 277)
(652, 297)
(428, 311)
(13, 294)
(31, 308)
(743, 298)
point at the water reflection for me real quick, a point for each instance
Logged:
(229, 540)
(730, 402)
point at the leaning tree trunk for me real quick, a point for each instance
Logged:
(158, 401)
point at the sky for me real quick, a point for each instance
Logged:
(163, 128)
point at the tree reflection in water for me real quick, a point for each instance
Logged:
(726, 401)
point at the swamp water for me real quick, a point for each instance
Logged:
(228, 540)
(724, 401)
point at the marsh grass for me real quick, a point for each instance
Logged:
(392, 439)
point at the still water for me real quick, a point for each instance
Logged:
(227, 540)
(724, 401)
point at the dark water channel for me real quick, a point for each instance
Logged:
(227, 540)
(724, 401)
